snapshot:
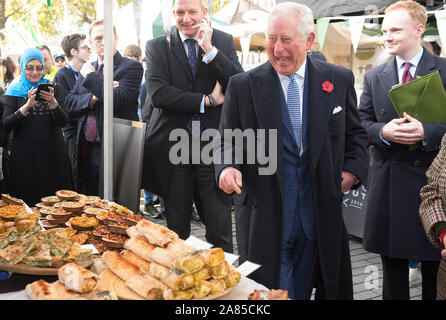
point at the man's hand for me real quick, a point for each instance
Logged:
(443, 252)
(218, 95)
(348, 180)
(205, 35)
(406, 130)
(93, 99)
(230, 180)
(86, 69)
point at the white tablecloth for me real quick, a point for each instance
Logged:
(240, 292)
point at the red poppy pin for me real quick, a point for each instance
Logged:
(327, 86)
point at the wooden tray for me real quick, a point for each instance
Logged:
(22, 268)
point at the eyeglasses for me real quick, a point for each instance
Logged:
(32, 68)
(85, 47)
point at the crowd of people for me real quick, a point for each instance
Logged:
(290, 222)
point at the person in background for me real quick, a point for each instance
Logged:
(392, 226)
(39, 160)
(59, 59)
(77, 51)
(85, 104)
(8, 68)
(433, 214)
(132, 51)
(186, 75)
(49, 69)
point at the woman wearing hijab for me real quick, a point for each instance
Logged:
(39, 164)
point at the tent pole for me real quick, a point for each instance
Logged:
(108, 100)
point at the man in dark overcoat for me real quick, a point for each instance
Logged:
(187, 73)
(289, 220)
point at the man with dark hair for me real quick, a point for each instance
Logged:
(77, 51)
(85, 104)
(49, 69)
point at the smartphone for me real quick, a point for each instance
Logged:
(43, 87)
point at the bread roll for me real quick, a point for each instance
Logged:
(41, 290)
(144, 265)
(155, 233)
(77, 278)
(146, 286)
(123, 268)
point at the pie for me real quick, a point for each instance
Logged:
(66, 194)
(11, 200)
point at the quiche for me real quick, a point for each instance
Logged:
(8, 237)
(40, 257)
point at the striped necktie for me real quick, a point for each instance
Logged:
(293, 103)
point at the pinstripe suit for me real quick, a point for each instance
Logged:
(433, 196)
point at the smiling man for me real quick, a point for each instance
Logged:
(291, 222)
(393, 228)
(186, 76)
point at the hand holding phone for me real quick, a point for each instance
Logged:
(43, 87)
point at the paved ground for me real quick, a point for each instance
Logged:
(366, 266)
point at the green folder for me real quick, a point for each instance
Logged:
(423, 98)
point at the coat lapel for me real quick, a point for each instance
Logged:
(265, 85)
(318, 107)
(179, 53)
(389, 76)
(426, 65)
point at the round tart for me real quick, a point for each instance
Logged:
(92, 212)
(72, 206)
(49, 201)
(60, 213)
(83, 222)
(67, 194)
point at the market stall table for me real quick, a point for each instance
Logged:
(17, 282)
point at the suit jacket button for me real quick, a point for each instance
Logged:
(382, 111)
(416, 163)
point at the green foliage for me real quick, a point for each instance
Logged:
(46, 20)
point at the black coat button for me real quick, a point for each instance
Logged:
(416, 163)
(382, 111)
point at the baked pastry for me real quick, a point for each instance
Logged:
(77, 278)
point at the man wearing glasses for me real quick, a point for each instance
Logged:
(77, 51)
(85, 104)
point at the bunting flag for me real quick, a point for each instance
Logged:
(356, 24)
(322, 26)
(440, 15)
(47, 2)
(33, 35)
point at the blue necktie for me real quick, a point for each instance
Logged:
(293, 103)
(194, 130)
